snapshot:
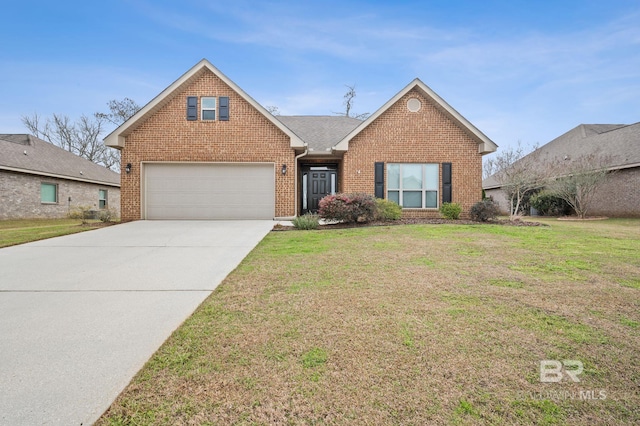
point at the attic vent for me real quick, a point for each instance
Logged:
(414, 105)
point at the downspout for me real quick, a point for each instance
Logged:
(295, 188)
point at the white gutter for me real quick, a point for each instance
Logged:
(295, 188)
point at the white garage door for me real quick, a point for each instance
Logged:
(209, 191)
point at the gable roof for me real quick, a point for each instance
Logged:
(28, 154)
(116, 139)
(621, 143)
(321, 133)
(485, 145)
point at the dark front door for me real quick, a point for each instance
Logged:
(316, 184)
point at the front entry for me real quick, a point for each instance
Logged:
(317, 182)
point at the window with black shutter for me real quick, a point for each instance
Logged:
(446, 182)
(379, 180)
(192, 108)
(223, 108)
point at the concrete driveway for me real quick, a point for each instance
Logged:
(81, 314)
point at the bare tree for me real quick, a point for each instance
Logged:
(273, 109)
(83, 137)
(348, 104)
(517, 173)
(577, 180)
(119, 111)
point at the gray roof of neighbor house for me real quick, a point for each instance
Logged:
(320, 132)
(620, 142)
(28, 154)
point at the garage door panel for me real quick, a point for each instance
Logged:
(209, 191)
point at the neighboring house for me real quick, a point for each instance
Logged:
(204, 149)
(618, 143)
(41, 180)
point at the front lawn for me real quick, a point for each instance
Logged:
(417, 324)
(22, 231)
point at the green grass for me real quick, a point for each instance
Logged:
(314, 358)
(13, 232)
(420, 324)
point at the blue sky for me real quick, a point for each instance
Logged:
(519, 70)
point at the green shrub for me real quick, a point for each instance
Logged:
(387, 210)
(450, 210)
(357, 207)
(83, 213)
(549, 204)
(484, 211)
(307, 221)
(108, 215)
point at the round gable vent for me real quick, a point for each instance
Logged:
(414, 105)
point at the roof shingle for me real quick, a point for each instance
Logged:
(620, 142)
(28, 154)
(320, 132)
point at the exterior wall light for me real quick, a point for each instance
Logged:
(128, 168)
(284, 169)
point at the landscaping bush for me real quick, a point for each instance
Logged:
(108, 215)
(387, 210)
(450, 210)
(348, 208)
(83, 213)
(484, 211)
(307, 221)
(549, 204)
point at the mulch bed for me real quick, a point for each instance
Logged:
(583, 218)
(417, 221)
(97, 224)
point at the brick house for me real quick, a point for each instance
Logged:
(620, 146)
(41, 180)
(204, 149)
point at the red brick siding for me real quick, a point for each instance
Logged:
(167, 136)
(426, 136)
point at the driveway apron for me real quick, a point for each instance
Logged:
(81, 314)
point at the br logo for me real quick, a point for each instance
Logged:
(552, 371)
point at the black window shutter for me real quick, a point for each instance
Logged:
(446, 182)
(192, 108)
(379, 180)
(223, 108)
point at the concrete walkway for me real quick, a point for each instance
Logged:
(81, 314)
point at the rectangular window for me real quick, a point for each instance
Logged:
(413, 186)
(48, 193)
(102, 198)
(208, 105)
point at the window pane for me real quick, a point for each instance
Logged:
(412, 176)
(432, 199)
(393, 176)
(412, 199)
(394, 196)
(304, 191)
(208, 115)
(48, 193)
(432, 176)
(333, 184)
(208, 103)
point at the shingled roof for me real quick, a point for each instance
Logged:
(320, 132)
(620, 142)
(28, 154)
